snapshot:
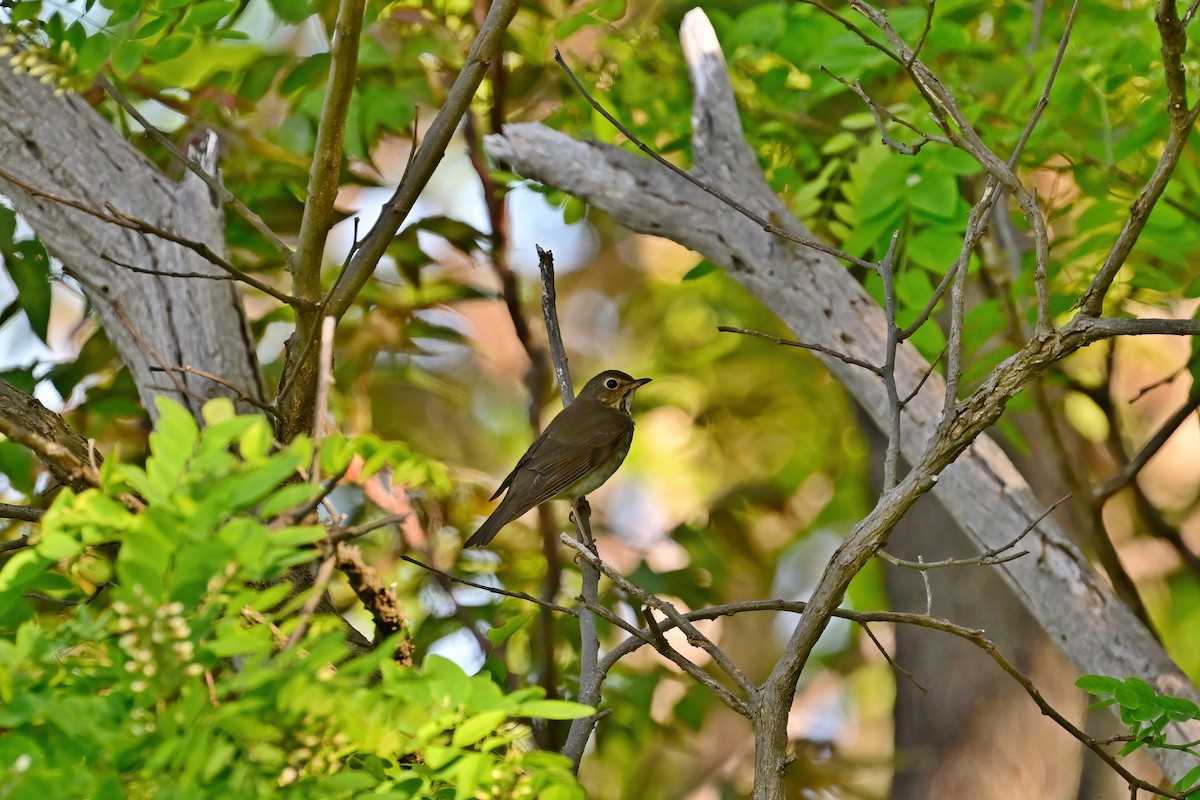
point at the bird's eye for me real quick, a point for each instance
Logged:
(611, 383)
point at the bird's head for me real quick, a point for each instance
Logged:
(612, 388)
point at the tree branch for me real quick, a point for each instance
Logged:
(69, 457)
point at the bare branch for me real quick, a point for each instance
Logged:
(1174, 43)
(863, 618)
(1130, 471)
(818, 348)
(22, 513)
(589, 637)
(491, 589)
(891, 460)
(30, 424)
(117, 217)
(211, 181)
(996, 555)
(695, 637)
(558, 352)
(878, 112)
(324, 174)
(15, 544)
(241, 393)
(379, 599)
(487, 44)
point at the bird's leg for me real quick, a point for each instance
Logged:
(582, 516)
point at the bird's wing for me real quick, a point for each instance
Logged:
(560, 458)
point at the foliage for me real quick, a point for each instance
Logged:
(1147, 713)
(179, 677)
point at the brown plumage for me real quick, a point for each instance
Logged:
(579, 450)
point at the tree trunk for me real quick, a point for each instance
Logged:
(159, 324)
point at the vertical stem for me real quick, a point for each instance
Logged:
(589, 638)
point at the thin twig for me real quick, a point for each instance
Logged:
(211, 181)
(892, 662)
(15, 544)
(340, 534)
(878, 113)
(924, 33)
(96, 292)
(124, 220)
(929, 369)
(891, 461)
(324, 387)
(298, 513)
(242, 394)
(1129, 472)
(528, 598)
(487, 45)
(694, 636)
(804, 345)
(23, 513)
(660, 644)
(1044, 99)
(996, 555)
(324, 575)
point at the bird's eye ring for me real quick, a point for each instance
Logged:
(611, 383)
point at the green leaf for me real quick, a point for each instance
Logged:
(25, 10)
(554, 709)
(935, 193)
(1189, 780)
(292, 10)
(1178, 708)
(457, 232)
(288, 497)
(305, 74)
(58, 546)
(8, 227)
(295, 535)
(1142, 689)
(16, 464)
(705, 267)
(205, 13)
(475, 728)
(126, 59)
(29, 267)
(170, 47)
(501, 634)
(1099, 685)
(94, 52)
(840, 142)
(153, 27)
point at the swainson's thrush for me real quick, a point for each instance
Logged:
(579, 450)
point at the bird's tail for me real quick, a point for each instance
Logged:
(500, 517)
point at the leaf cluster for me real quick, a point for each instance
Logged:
(1147, 713)
(147, 647)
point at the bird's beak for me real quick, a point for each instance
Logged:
(639, 382)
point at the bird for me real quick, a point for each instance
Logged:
(579, 450)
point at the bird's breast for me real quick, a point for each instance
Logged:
(601, 472)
